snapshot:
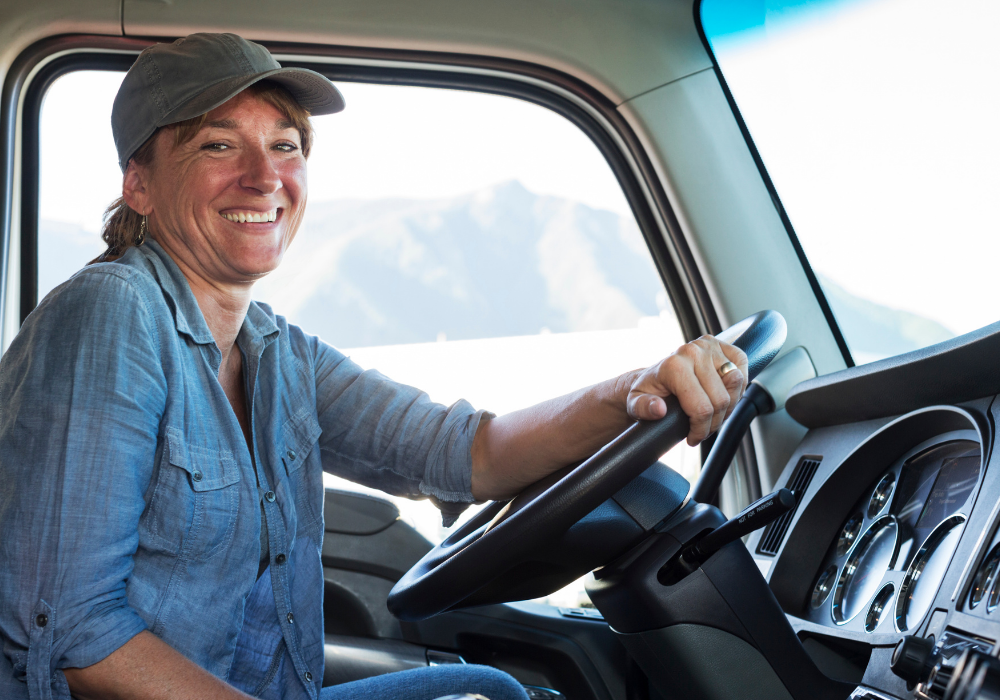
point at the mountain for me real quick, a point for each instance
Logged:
(499, 262)
(874, 331)
(62, 250)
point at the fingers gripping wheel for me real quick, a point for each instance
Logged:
(503, 535)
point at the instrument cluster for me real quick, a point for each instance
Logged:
(886, 564)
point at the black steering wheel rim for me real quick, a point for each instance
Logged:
(501, 535)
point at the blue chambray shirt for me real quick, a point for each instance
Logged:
(130, 501)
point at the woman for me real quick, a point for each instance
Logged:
(163, 437)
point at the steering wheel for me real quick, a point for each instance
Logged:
(504, 535)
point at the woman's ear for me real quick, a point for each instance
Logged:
(134, 188)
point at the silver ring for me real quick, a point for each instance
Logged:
(726, 369)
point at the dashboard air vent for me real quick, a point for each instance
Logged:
(775, 532)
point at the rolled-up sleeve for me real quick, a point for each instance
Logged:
(83, 391)
(391, 436)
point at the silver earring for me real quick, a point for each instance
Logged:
(141, 238)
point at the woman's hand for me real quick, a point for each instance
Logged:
(692, 375)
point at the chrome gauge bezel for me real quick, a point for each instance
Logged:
(913, 571)
(827, 576)
(850, 568)
(882, 495)
(993, 598)
(849, 533)
(984, 587)
(879, 606)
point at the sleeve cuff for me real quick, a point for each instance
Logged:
(449, 481)
(97, 638)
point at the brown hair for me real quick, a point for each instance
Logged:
(121, 222)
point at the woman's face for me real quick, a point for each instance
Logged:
(228, 202)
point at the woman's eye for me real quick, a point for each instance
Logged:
(287, 147)
(214, 147)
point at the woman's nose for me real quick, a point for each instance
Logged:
(259, 172)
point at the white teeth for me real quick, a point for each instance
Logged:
(253, 217)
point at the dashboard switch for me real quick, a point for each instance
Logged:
(911, 657)
(976, 677)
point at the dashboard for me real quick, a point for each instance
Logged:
(895, 530)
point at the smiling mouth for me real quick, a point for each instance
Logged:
(250, 217)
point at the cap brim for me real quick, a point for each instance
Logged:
(314, 92)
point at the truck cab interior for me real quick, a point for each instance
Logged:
(559, 190)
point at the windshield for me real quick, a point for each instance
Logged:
(876, 122)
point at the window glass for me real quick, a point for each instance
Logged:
(472, 245)
(875, 120)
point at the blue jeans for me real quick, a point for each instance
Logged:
(430, 683)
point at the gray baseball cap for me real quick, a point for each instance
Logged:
(169, 83)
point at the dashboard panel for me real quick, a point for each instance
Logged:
(894, 533)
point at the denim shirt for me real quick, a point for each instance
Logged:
(130, 500)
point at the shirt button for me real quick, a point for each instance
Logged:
(269, 496)
(290, 618)
(309, 677)
(291, 455)
(196, 476)
(42, 620)
(280, 559)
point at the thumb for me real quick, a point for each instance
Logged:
(642, 406)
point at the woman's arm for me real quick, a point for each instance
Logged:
(515, 450)
(147, 668)
(82, 395)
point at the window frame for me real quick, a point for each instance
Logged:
(817, 289)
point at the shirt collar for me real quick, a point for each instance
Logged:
(258, 331)
(258, 328)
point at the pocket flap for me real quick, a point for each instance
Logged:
(299, 435)
(207, 468)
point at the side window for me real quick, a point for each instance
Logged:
(475, 246)
(78, 173)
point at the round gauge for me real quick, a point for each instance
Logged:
(852, 528)
(926, 571)
(823, 586)
(994, 599)
(881, 495)
(862, 575)
(984, 580)
(878, 607)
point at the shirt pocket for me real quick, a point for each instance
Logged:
(193, 510)
(303, 466)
